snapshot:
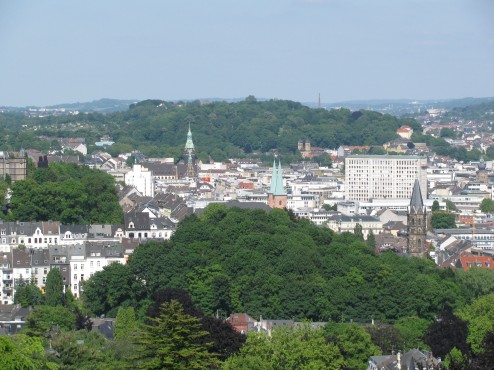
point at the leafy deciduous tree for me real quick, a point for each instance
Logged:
(287, 348)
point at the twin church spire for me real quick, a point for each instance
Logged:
(277, 195)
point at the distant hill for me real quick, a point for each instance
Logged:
(404, 107)
(101, 105)
(483, 111)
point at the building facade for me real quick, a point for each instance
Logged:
(383, 176)
(142, 179)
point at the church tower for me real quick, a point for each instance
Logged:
(277, 194)
(190, 156)
(482, 174)
(417, 223)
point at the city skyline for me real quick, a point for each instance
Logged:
(59, 52)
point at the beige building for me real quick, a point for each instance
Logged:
(383, 176)
(14, 167)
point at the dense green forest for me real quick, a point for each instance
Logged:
(263, 263)
(64, 192)
(273, 265)
(221, 130)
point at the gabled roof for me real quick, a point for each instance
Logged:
(139, 219)
(74, 229)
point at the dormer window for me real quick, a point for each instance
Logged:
(131, 225)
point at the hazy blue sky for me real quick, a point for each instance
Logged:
(61, 51)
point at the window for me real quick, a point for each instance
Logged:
(75, 287)
(97, 263)
(82, 266)
(45, 271)
(75, 266)
(36, 270)
(91, 264)
(64, 269)
(27, 271)
(82, 276)
(44, 279)
(75, 276)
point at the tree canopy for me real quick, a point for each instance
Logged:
(269, 264)
(66, 193)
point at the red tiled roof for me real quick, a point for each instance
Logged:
(485, 262)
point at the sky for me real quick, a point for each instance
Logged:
(65, 51)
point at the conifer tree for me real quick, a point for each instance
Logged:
(54, 295)
(172, 341)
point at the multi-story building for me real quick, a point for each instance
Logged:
(383, 176)
(12, 166)
(6, 279)
(142, 179)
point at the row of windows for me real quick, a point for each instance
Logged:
(36, 240)
(91, 264)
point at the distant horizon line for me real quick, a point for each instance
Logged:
(315, 102)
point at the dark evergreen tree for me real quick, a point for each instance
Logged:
(173, 341)
(54, 295)
(447, 332)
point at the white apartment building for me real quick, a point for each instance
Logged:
(342, 223)
(142, 179)
(383, 176)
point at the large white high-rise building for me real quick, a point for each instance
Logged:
(142, 179)
(369, 177)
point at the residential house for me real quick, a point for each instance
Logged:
(413, 359)
(73, 234)
(12, 318)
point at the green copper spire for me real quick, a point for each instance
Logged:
(273, 179)
(279, 188)
(189, 145)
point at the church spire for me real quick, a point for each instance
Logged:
(189, 145)
(277, 196)
(416, 223)
(272, 188)
(190, 155)
(279, 188)
(416, 203)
